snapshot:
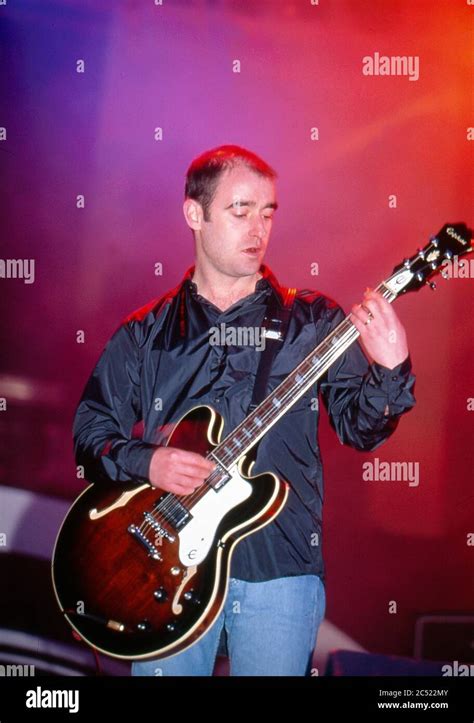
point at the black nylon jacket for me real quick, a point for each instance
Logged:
(159, 364)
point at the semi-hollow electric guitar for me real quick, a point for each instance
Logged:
(139, 573)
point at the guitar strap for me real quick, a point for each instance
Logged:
(275, 322)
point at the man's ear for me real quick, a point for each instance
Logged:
(193, 214)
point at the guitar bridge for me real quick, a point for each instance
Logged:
(149, 546)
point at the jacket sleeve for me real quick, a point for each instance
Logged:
(107, 411)
(365, 401)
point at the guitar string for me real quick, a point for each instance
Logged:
(159, 515)
(288, 393)
(172, 501)
(198, 494)
(386, 292)
(194, 497)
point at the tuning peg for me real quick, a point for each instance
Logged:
(431, 284)
(421, 253)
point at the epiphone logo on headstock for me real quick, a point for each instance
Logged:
(451, 232)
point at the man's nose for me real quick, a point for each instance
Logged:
(257, 227)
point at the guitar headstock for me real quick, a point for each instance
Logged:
(454, 239)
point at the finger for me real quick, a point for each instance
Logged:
(184, 485)
(364, 325)
(180, 490)
(194, 459)
(190, 470)
(187, 489)
(360, 313)
(370, 306)
(360, 325)
(375, 301)
(173, 486)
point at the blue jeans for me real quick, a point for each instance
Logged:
(271, 629)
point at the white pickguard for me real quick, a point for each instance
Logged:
(197, 537)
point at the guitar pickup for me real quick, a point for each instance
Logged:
(173, 511)
(157, 527)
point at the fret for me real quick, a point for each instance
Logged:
(386, 292)
(268, 412)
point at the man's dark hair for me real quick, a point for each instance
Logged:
(204, 172)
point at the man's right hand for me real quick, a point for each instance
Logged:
(178, 471)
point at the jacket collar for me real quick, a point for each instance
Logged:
(268, 280)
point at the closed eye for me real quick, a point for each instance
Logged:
(244, 215)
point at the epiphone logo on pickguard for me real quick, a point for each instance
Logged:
(451, 232)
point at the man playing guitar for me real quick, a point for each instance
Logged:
(160, 363)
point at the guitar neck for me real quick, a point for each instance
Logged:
(314, 365)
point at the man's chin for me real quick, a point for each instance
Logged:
(243, 267)
(250, 265)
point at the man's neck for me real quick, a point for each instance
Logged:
(224, 291)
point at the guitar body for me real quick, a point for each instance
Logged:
(138, 587)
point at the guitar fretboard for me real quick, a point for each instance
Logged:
(287, 393)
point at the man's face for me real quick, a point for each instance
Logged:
(235, 238)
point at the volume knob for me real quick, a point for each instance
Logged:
(144, 626)
(160, 595)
